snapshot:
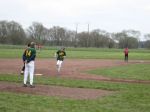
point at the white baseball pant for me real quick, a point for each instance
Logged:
(59, 63)
(29, 70)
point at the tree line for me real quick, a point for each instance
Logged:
(13, 33)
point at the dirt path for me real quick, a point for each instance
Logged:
(75, 93)
(72, 68)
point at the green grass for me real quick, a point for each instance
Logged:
(80, 53)
(71, 82)
(135, 71)
(123, 102)
(129, 97)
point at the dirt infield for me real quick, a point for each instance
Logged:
(72, 68)
(66, 92)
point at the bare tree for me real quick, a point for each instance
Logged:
(147, 36)
(147, 42)
(3, 32)
(38, 32)
(126, 39)
(101, 38)
(11, 33)
(60, 36)
(82, 39)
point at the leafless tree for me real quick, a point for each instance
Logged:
(11, 33)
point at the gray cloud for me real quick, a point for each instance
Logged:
(110, 15)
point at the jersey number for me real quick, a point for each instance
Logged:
(28, 53)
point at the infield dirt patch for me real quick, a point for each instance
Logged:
(72, 68)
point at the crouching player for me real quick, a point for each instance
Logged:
(60, 54)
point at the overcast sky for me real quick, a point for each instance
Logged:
(109, 15)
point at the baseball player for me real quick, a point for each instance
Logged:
(60, 58)
(29, 58)
(126, 51)
(23, 68)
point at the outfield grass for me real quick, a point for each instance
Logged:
(80, 53)
(135, 71)
(124, 102)
(71, 82)
(129, 97)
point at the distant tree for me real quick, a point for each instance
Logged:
(126, 39)
(60, 36)
(95, 38)
(101, 38)
(70, 39)
(111, 43)
(11, 33)
(132, 33)
(82, 39)
(38, 32)
(147, 42)
(57, 33)
(147, 36)
(3, 32)
(16, 33)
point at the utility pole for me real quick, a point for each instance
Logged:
(88, 28)
(76, 35)
(88, 36)
(76, 28)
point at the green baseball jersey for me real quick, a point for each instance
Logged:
(60, 55)
(29, 54)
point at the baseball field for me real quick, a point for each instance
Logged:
(91, 80)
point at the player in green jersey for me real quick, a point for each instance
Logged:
(29, 58)
(60, 58)
(23, 68)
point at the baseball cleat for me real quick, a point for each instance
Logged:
(32, 86)
(24, 85)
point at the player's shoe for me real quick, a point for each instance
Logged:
(32, 86)
(24, 85)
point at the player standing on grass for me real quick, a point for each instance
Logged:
(126, 51)
(29, 57)
(60, 58)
